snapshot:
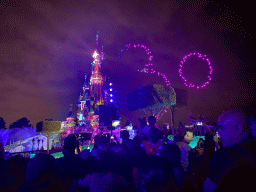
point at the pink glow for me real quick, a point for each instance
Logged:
(146, 70)
(185, 80)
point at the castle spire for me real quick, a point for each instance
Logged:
(70, 114)
(96, 79)
(97, 40)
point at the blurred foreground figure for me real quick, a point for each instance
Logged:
(72, 166)
(126, 142)
(252, 122)
(42, 174)
(14, 173)
(233, 166)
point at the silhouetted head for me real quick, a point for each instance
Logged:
(125, 135)
(85, 153)
(155, 173)
(233, 128)
(103, 141)
(181, 132)
(70, 143)
(171, 152)
(136, 156)
(15, 172)
(151, 120)
(208, 136)
(188, 137)
(1, 149)
(41, 169)
(252, 122)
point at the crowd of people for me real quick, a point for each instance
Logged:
(149, 162)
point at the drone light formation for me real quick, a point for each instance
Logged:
(203, 57)
(149, 66)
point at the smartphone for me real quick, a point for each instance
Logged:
(115, 123)
(199, 123)
(112, 137)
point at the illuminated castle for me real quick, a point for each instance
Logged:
(93, 93)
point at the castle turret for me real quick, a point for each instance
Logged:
(70, 123)
(84, 101)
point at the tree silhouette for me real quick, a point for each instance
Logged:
(2, 123)
(39, 126)
(23, 122)
(154, 99)
(151, 97)
(181, 100)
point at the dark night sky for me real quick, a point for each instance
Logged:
(46, 47)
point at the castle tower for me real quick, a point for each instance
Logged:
(96, 80)
(84, 102)
(70, 123)
(93, 93)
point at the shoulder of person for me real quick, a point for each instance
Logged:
(181, 144)
(58, 160)
(157, 127)
(250, 144)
